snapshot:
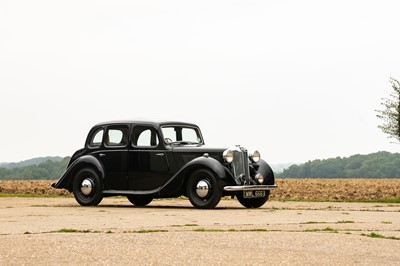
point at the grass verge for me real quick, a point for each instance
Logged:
(387, 200)
(69, 230)
(144, 231)
(327, 229)
(376, 235)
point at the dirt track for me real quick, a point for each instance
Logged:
(43, 231)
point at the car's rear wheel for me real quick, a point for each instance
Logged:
(253, 203)
(87, 187)
(202, 189)
(139, 200)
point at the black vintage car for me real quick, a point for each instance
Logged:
(147, 160)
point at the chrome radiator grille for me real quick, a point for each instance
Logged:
(240, 164)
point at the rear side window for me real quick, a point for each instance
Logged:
(97, 138)
(116, 136)
(145, 137)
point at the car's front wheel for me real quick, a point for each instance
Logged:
(202, 189)
(87, 187)
(139, 200)
(253, 203)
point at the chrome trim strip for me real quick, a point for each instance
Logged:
(250, 188)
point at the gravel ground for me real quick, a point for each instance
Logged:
(49, 231)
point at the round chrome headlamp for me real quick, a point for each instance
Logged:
(228, 156)
(255, 156)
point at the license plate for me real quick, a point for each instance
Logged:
(254, 194)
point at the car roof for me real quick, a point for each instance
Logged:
(144, 122)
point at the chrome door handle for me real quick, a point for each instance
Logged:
(102, 154)
(160, 154)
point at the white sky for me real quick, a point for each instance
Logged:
(299, 80)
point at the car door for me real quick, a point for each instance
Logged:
(148, 167)
(114, 156)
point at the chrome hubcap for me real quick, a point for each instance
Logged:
(87, 186)
(202, 188)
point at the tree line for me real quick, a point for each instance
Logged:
(47, 170)
(376, 165)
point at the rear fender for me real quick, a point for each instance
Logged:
(67, 178)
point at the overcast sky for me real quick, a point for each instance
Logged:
(299, 80)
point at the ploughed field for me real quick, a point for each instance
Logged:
(299, 189)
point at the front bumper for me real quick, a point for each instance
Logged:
(250, 187)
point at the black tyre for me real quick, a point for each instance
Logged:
(253, 203)
(87, 187)
(139, 200)
(202, 189)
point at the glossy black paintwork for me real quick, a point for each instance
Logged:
(147, 169)
(159, 171)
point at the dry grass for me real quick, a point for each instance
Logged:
(337, 189)
(289, 189)
(33, 187)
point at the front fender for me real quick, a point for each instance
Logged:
(207, 162)
(264, 169)
(176, 183)
(85, 161)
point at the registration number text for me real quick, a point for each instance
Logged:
(254, 194)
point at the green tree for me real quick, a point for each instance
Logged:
(391, 112)
(47, 170)
(376, 165)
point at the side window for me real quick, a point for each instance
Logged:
(116, 136)
(97, 138)
(189, 134)
(145, 137)
(170, 133)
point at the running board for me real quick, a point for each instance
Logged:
(250, 187)
(131, 192)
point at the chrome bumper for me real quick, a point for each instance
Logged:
(250, 187)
